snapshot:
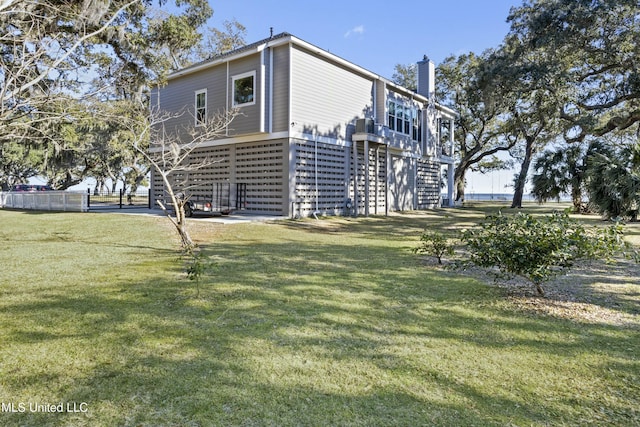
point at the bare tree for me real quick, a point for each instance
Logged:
(169, 149)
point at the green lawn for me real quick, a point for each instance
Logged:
(312, 323)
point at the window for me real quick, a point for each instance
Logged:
(392, 115)
(201, 107)
(407, 120)
(404, 119)
(244, 89)
(417, 129)
(399, 118)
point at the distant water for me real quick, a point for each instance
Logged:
(498, 197)
(502, 197)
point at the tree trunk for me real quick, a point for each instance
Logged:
(576, 198)
(458, 178)
(522, 176)
(140, 176)
(187, 242)
(179, 221)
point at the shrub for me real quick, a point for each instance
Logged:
(538, 248)
(434, 244)
(196, 265)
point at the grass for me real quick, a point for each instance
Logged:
(329, 322)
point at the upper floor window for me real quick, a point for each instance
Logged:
(417, 124)
(404, 119)
(201, 107)
(244, 89)
(391, 112)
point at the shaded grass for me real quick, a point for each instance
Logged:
(331, 322)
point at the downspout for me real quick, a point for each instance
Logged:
(226, 128)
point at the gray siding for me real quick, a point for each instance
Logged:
(327, 98)
(216, 90)
(280, 107)
(381, 103)
(179, 95)
(248, 120)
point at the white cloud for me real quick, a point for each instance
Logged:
(355, 30)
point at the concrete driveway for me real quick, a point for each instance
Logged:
(233, 218)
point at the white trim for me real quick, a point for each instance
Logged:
(368, 137)
(290, 88)
(262, 87)
(256, 137)
(319, 138)
(236, 77)
(374, 101)
(270, 124)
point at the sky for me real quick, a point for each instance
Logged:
(374, 34)
(377, 35)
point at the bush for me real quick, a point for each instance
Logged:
(434, 244)
(538, 248)
(196, 265)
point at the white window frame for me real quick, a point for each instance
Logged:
(237, 77)
(416, 126)
(199, 122)
(391, 114)
(405, 118)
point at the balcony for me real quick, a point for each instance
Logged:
(368, 130)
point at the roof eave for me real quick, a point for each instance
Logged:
(243, 52)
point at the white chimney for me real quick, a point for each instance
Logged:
(427, 78)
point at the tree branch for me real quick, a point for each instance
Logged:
(42, 74)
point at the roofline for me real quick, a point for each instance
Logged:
(241, 52)
(286, 38)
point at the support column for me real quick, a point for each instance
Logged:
(451, 167)
(355, 178)
(292, 206)
(387, 163)
(366, 177)
(415, 184)
(377, 179)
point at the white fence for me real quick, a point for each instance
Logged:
(45, 201)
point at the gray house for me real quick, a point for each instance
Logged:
(316, 134)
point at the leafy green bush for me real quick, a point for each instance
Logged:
(434, 244)
(537, 248)
(196, 265)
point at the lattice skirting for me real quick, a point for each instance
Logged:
(300, 178)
